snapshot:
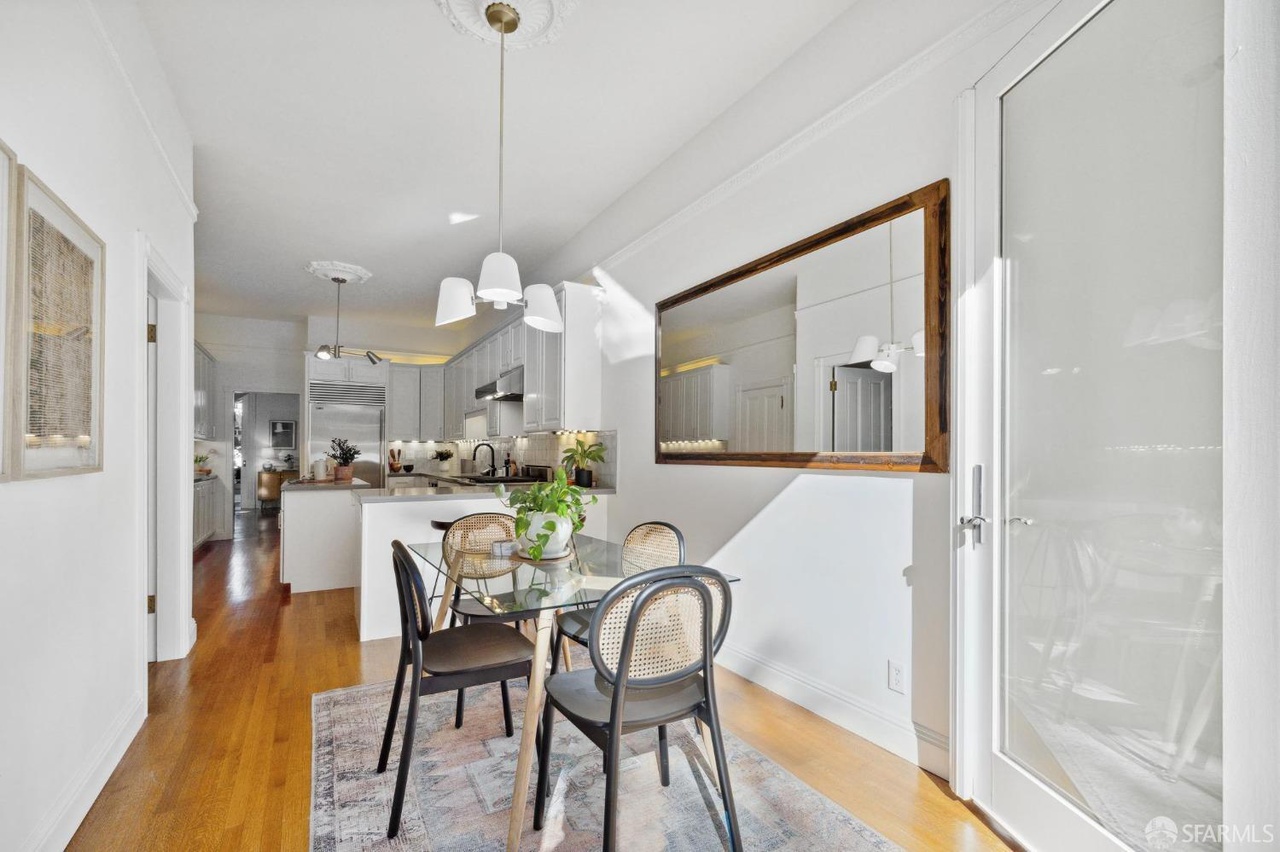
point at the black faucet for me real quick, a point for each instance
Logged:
(493, 458)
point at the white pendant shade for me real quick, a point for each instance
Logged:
(541, 310)
(886, 363)
(917, 343)
(457, 301)
(864, 349)
(500, 279)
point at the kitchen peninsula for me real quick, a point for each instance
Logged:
(319, 534)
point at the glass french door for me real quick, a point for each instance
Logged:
(1092, 386)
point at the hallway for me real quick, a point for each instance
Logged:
(224, 759)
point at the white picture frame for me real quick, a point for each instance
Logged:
(58, 320)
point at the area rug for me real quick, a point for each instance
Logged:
(459, 793)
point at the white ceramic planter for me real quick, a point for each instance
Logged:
(557, 545)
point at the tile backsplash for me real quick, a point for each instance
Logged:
(543, 448)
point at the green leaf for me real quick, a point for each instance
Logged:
(549, 526)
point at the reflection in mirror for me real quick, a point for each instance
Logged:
(820, 354)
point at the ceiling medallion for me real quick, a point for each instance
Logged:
(541, 21)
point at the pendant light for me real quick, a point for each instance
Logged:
(885, 358)
(499, 273)
(339, 274)
(326, 352)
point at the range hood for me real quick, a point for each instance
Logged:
(508, 388)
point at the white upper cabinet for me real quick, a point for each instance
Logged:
(355, 370)
(696, 405)
(204, 392)
(562, 371)
(404, 402)
(431, 403)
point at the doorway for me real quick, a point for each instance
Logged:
(1090, 571)
(265, 449)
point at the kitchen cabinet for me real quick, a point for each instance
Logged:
(431, 403)
(484, 362)
(415, 403)
(355, 370)
(696, 405)
(204, 511)
(204, 394)
(562, 371)
(404, 402)
(504, 419)
(516, 332)
(454, 375)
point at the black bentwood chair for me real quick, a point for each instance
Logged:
(653, 640)
(470, 655)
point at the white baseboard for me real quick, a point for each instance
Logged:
(59, 826)
(923, 746)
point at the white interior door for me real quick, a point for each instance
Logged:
(1091, 402)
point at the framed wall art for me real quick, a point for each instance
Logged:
(284, 434)
(57, 345)
(8, 239)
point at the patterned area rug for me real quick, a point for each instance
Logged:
(459, 791)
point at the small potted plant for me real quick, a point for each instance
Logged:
(343, 455)
(547, 515)
(202, 464)
(579, 457)
(442, 459)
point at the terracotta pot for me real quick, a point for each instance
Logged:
(342, 473)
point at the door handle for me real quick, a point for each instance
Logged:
(1026, 522)
(972, 522)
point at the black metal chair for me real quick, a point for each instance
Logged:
(469, 655)
(653, 640)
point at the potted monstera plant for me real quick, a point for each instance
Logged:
(579, 457)
(547, 515)
(344, 455)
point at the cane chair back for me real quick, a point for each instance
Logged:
(665, 629)
(467, 545)
(655, 544)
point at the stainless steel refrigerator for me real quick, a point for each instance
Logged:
(359, 424)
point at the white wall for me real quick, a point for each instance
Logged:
(72, 577)
(841, 571)
(265, 356)
(1251, 455)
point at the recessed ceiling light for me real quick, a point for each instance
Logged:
(459, 218)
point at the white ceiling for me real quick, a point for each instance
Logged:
(333, 130)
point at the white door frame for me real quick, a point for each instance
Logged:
(979, 308)
(175, 321)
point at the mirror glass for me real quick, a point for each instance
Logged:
(810, 351)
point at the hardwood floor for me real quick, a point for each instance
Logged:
(224, 759)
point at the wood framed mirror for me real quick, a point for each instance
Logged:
(832, 352)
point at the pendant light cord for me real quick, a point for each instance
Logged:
(337, 324)
(502, 95)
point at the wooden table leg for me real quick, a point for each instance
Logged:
(528, 736)
(446, 601)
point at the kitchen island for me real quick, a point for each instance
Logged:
(320, 534)
(405, 511)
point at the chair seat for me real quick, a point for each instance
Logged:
(576, 624)
(588, 698)
(469, 607)
(474, 646)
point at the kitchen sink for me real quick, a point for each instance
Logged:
(506, 480)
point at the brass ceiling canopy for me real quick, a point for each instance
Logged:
(503, 18)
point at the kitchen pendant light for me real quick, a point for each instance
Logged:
(339, 274)
(885, 357)
(499, 281)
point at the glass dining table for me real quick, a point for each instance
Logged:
(511, 585)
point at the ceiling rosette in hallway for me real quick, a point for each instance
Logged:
(541, 21)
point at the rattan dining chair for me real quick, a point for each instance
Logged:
(474, 534)
(653, 544)
(653, 639)
(468, 655)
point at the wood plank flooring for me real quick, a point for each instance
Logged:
(224, 759)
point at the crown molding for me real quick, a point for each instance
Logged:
(941, 51)
(105, 37)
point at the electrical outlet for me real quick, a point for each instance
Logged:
(895, 678)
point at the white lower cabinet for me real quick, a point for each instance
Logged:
(204, 511)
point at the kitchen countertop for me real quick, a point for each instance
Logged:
(205, 477)
(399, 494)
(312, 485)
